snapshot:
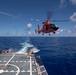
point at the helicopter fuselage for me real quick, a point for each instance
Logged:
(47, 28)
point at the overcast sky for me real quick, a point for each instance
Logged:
(21, 17)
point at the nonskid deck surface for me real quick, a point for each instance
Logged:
(20, 64)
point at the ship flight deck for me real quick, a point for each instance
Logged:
(21, 64)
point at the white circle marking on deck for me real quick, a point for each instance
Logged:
(18, 70)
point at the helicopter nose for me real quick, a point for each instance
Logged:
(56, 28)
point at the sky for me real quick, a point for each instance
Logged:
(21, 17)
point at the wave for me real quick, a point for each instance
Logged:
(26, 46)
(35, 50)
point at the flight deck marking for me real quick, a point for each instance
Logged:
(18, 70)
(17, 61)
(4, 61)
(10, 60)
(30, 66)
(12, 71)
(6, 71)
(23, 71)
(24, 61)
(1, 71)
(21, 61)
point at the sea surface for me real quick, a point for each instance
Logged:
(58, 54)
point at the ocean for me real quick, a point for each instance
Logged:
(58, 54)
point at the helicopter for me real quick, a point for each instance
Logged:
(49, 27)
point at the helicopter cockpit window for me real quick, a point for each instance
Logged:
(52, 25)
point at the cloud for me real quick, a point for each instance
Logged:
(7, 14)
(73, 1)
(73, 30)
(62, 32)
(37, 20)
(31, 33)
(14, 34)
(31, 19)
(73, 17)
(63, 3)
(29, 25)
(34, 19)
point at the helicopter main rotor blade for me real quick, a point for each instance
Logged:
(49, 15)
(61, 20)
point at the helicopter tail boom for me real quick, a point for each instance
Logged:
(39, 29)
